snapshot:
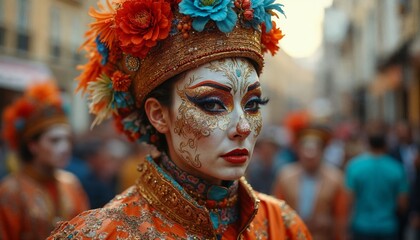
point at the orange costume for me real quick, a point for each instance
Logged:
(30, 206)
(38, 195)
(157, 207)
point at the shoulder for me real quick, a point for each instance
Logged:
(276, 205)
(357, 161)
(283, 216)
(66, 177)
(290, 170)
(9, 182)
(127, 216)
(333, 174)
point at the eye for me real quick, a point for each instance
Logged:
(208, 104)
(253, 104)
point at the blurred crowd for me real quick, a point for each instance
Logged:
(347, 181)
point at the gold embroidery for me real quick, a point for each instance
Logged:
(161, 194)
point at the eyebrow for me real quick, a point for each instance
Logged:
(254, 86)
(213, 84)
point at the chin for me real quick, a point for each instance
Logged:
(233, 175)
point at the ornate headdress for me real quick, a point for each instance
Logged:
(36, 110)
(135, 45)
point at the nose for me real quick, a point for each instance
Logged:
(243, 128)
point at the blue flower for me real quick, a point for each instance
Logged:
(122, 100)
(220, 11)
(20, 123)
(174, 29)
(263, 10)
(102, 49)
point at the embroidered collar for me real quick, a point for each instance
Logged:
(161, 191)
(220, 200)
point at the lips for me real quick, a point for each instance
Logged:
(237, 156)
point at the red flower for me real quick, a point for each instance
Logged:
(140, 24)
(120, 82)
(271, 39)
(21, 110)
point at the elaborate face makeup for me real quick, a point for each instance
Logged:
(215, 119)
(53, 147)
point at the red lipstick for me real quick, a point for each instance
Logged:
(237, 156)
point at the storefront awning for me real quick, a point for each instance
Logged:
(17, 74)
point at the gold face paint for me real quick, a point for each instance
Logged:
(213, 103)
(194, 121)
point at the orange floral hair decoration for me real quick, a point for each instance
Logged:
(38, 108)
(132, 44)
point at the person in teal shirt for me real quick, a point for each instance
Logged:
(378, 187)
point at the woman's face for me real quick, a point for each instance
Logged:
(53, 148)
(215, 119)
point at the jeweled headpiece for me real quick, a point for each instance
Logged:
(39, 108)
(135, 45)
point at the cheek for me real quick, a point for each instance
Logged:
(255, 122)
(193, 122)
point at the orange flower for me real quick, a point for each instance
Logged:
(120, 82)
(140, 24)
(104, 26)
(270, 40)
(45, 92)
(20, 110)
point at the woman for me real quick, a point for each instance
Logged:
(183, 76)
(38, 195)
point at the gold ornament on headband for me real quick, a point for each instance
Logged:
(133, 46)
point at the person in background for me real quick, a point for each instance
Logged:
(315, 189)
(378, 189)
(184, 76)
(414, 216)
(103, 158)
(264, 166)
(38, 194)
(405, 150)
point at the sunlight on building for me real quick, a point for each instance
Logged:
(302, 26)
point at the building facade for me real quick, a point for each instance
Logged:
(40, 39)
(368, 70)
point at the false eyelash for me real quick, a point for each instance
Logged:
(262, 101)
(259, 100)
(202, 101)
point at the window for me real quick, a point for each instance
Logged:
(2, 35)
(76, 39)
(22, 25)
(1, 12)
(55, 47)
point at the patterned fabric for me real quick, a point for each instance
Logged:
(30, 209)
(220, 200)
(157, 207)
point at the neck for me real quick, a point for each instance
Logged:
(221, 199)
(39, 172)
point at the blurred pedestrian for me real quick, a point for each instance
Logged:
(405, 150)
(39, 194)
(315, 189)
(378, 189)
(104, 158)
(413, 230)
(263, 168)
